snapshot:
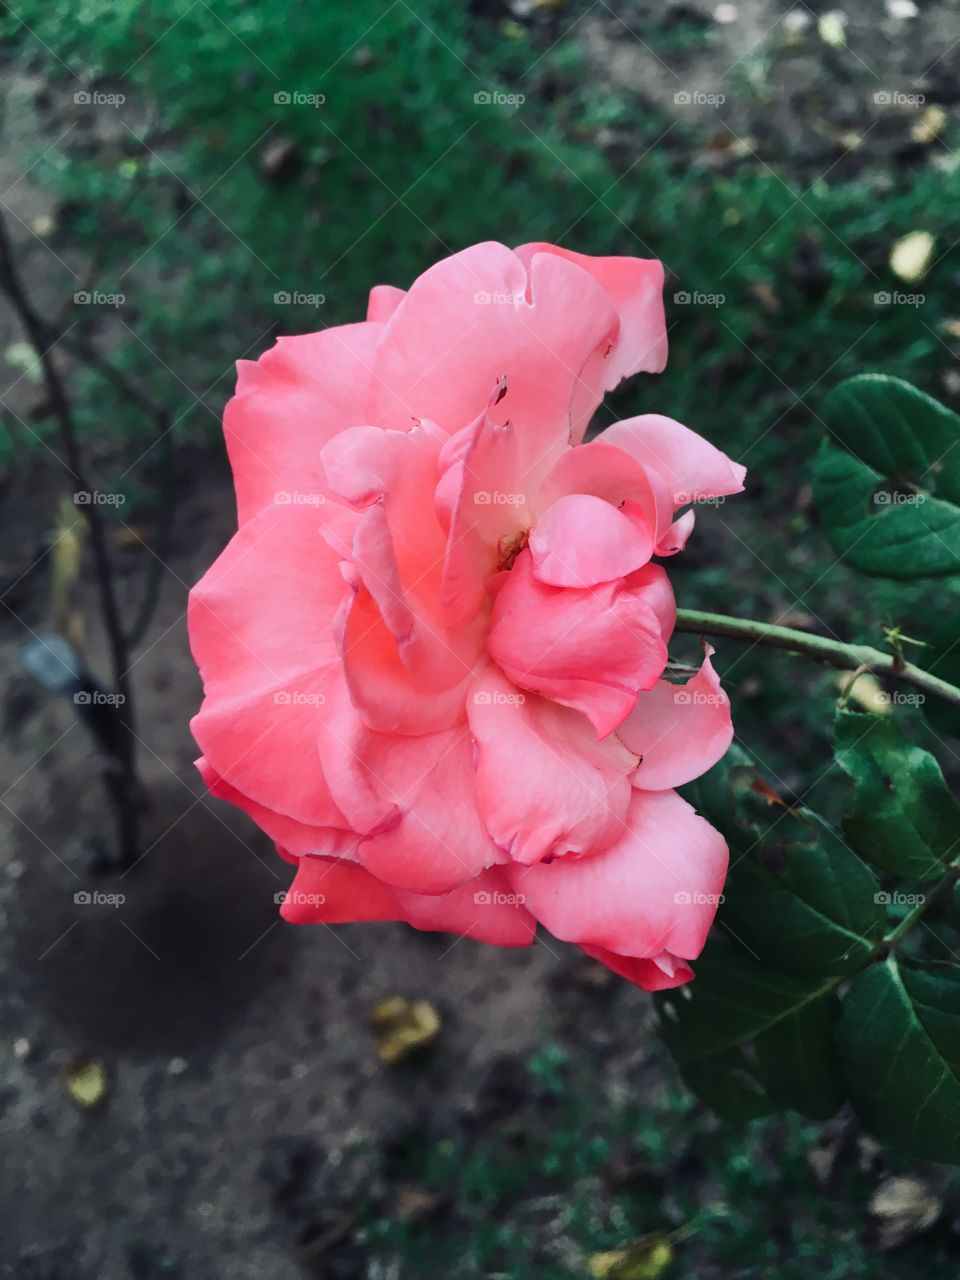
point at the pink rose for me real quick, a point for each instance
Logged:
(433, 652)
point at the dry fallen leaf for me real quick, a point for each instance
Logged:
(866, 690)
(647, 1258)
(833, 28)
(403, 1026)
(415, 1204)
(902, 1208)
(911, 254)
(930, 125)
(86, 1080)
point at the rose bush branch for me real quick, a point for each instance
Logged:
(834, 653)
(122, 787)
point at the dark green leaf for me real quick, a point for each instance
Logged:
(941, 656)
(903, 818)
(796, 895)
(899, 1041)
(887, 478)
(749, 1040)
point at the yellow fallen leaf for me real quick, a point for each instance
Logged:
(911, 254)
(647, 1258)
(867, 690)
(403, 1026)
(833, 28)
(930, 125)
(86, 1080)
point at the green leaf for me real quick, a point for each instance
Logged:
(899, 1042)
(796, 896)
(903, 818)
(749, 1040)
(887, 478)
(941, 657)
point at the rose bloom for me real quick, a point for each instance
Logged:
(433, 652)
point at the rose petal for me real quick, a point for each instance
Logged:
(335, 892)
(288, 404)
(679, 731)
(580, 541)
(655, 890)
(481, 315)
(544, 784)
(592, 649)
(260, 623)
(635, 285)
(692, 467)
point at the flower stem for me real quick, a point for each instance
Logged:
(846, 657)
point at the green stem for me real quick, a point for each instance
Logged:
(845, 657)
(939, 890)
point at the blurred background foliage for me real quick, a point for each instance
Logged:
(205, 196)
(208, 194)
